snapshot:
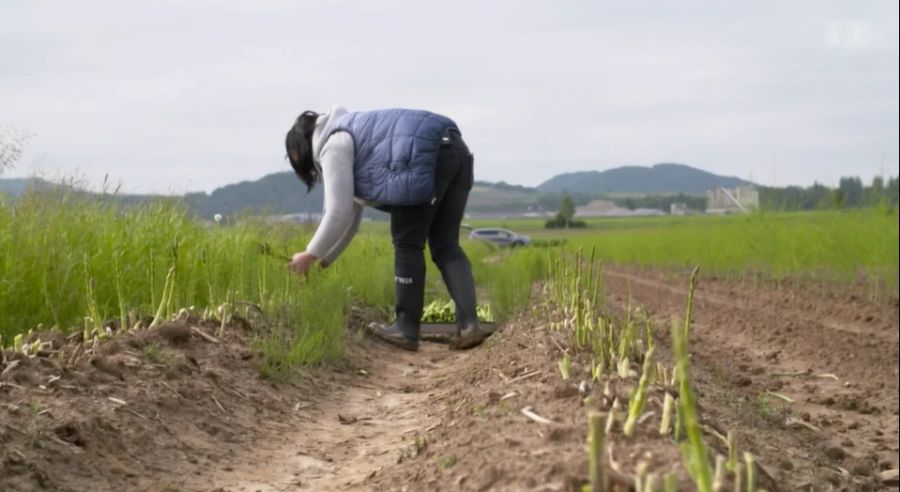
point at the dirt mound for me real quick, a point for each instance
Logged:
(483, 439)
(135, 412)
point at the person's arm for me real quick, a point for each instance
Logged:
(345, 238)
(341, 214)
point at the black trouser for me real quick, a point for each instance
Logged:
(436, 222)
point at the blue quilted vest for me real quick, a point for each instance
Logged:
(396, 153)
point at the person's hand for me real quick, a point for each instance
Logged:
(302, 262)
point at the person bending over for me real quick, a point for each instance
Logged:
(412, 164)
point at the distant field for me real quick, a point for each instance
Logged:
(843, 246)
(535, 226)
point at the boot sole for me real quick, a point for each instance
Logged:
(404, 344)
(460, 343)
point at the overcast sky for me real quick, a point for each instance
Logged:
(169, 96)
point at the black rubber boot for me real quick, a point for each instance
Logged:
(409, 287)
(457, 276)
(392, 335)
(468, 337)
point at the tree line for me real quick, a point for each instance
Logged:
(851, 192)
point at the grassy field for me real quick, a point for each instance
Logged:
(79, 265)
(838, 246)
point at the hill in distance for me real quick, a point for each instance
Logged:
(277, 193)
(17, 186)
(283, 193)
(660, 178)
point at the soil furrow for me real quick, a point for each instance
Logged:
(749, 347)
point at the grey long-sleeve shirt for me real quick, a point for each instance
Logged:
(334, 155)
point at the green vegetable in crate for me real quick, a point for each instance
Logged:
(485, 314)
(439, 312)
(445, 312)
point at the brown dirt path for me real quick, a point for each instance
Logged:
(362, 425)
(431, 420)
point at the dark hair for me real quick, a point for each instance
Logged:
(299, 148)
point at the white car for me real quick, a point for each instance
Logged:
(500, 237)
